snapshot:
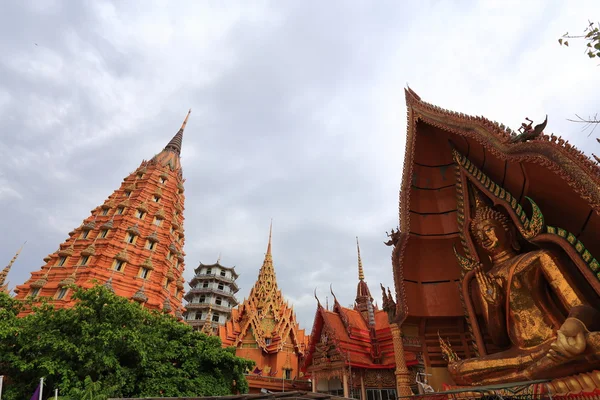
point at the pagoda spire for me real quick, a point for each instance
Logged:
(270, 236)
(175, 144)
(6, 270)
(361, 274)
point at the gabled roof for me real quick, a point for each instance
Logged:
(347, 330)
(562, 181)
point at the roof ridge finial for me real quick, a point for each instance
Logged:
(175, 144)
(361, 274)
(219, 258)
(6, 270)
(270, 236)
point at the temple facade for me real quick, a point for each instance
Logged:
(132, 243)
(211, 297)
(494, 259)
(351, 350)
(263, 328)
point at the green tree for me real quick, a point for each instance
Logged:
(109, 346)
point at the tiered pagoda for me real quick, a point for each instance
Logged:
(351, 350)
(132, 243)
(211, 297)
(494, 260)
(263, 328)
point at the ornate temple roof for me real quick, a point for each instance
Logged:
(265, 315)
(443, 150)
(123, 244)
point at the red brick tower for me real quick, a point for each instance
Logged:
(133, 243)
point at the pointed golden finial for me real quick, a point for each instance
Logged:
(270, 235)
(6, 270)
(186, 120)
(361, 274)
(219, 259)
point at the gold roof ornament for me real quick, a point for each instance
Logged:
(6, 270)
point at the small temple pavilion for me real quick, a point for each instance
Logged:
(263, 328)
(351, 350)
(132, 243)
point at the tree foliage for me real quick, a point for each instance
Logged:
(591, 35)
(108, 346)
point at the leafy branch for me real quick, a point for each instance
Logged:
(591, 35)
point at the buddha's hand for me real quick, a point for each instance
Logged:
(490, 288)
(570, 341)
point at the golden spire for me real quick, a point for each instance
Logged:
(186, 120)
(175, 144)
(270, 235)
(219, 259)
(6, 270)
(361, 274)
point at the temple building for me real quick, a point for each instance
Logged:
(494, 260)
(211, 296)
(132, 243)
(351, 350)
(264, 328)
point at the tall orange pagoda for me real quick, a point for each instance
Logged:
(264, 329)
(495, 262)
(132, 243)
(351, 350)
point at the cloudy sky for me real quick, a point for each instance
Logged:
(298, 115)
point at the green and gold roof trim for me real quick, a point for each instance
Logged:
(528, 227)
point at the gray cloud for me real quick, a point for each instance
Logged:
(298, 115)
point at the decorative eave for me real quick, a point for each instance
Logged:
(108, 205)
(131, 187)
(170, 275)
(140, 296)
(153, 237)
(143, 207)
(124, 203)
(164, 175)
(180, 283)
(180, 187)
(167, 306)
(89, 251)
(158, 192)
(70, 280)
(88, 226)
(160, 214)
(122, 256)
(48, 258)
(40, 283)
(553, 152)
(148, 264)
(67, 252)
(108, 224)
(134, 230)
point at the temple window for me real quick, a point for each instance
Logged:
(166, 286)
(208, 271)
(34, 292)
(218, 301)
(103, 233)
(198, 316)
(157, 221)
(215, 318)
(140, 214)
(84, 234)
(144, 273)
(222, 273)
(120, 210)
(130, 238)
(162, 180)
(140, 175)
(150, 245)
(119, 265)
(127, 193)
(267, 341)
(221, 287)
(61, 293)
(202, 299)
(105, 211)
(61, 261)
(381, 394)
(155, 199)
(205, 285)
(172, 230)
(84, 260)
(287, 374)
(176, 292)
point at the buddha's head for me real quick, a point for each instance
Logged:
(492, 230)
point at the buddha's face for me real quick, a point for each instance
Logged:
(492, 237)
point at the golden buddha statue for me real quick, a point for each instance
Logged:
(532, 309)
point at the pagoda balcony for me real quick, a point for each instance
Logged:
(206, 290)
(216, 277)
(205, 306)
